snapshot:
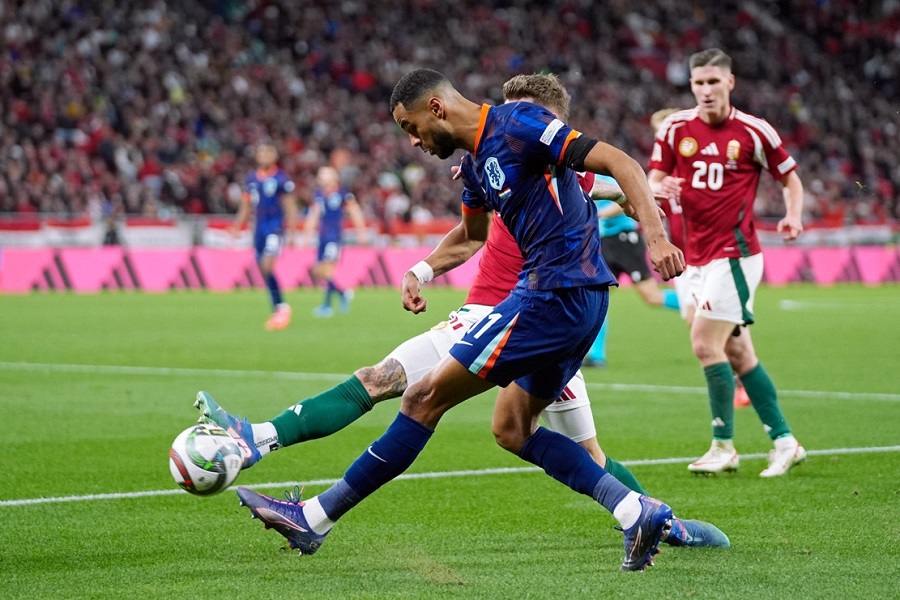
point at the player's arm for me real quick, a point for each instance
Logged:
(291, 214)
(312, 222)
(458, 246)
(663, 185)
(792, 223)
(604, 159)
(606, 190)
(354, 211)
(243, 213)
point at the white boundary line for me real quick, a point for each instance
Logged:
(291, 375)
(413, 476)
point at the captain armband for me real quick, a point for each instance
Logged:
(576, 151)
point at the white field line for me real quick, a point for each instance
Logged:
(413, 476)
(292, 375)
(801, 305)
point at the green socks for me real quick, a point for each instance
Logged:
(322, 415)
(764, 398)
(621, 472)
(720, 383)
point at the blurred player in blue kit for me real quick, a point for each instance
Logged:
(331, 202)
(625, 251)
(523, 165)
(269, 195)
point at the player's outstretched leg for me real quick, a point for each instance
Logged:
(285, 517)
(689, 532)
(239, 428)
(642, 539)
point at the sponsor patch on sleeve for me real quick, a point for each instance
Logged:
(550, 132)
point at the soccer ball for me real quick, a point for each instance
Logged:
(204, 459)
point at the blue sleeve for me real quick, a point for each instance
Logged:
(546, 136)
(473, 194)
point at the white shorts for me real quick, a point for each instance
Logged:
(724, 289)
(683, 293)
(569, 415)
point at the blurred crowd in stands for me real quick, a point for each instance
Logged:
(152, 108)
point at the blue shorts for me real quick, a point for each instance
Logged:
(536, 338)
(267, 242)
(329, 250)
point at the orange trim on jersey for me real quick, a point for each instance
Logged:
(482, 120)
(493, 358)
(548, 177)
(263, 173)
(572, 135)
(472, 211)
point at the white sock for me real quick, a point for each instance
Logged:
(628, 511)
(265, 437)
(315, 516)
(785, 441)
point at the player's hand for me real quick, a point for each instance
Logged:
(667, 259)
(234, 232)
(411, 294)
(670, 187)
(791, 227)
(466, 171)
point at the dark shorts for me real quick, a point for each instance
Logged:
(626, 252)
(536, 338)
(329, 250)
(267, 241)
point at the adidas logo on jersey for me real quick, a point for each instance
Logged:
(710, 150)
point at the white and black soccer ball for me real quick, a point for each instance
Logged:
(204, 459)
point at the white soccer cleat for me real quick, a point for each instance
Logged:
(787, 453)
(720, 457)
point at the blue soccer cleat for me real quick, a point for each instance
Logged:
(642, 539)
(323, 312)
(239, 428)
(285, 517)
(689, 532)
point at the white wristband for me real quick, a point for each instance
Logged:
(423, 272)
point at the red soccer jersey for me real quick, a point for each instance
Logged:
(498, 271)
(501, 262)
(721, 166)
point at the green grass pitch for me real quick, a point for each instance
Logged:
(93, 389)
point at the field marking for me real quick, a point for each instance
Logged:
(292, 375)
(799, 305)
(413, 476)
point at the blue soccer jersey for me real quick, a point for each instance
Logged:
(331, 213)
(519, 152)
(265, 189)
